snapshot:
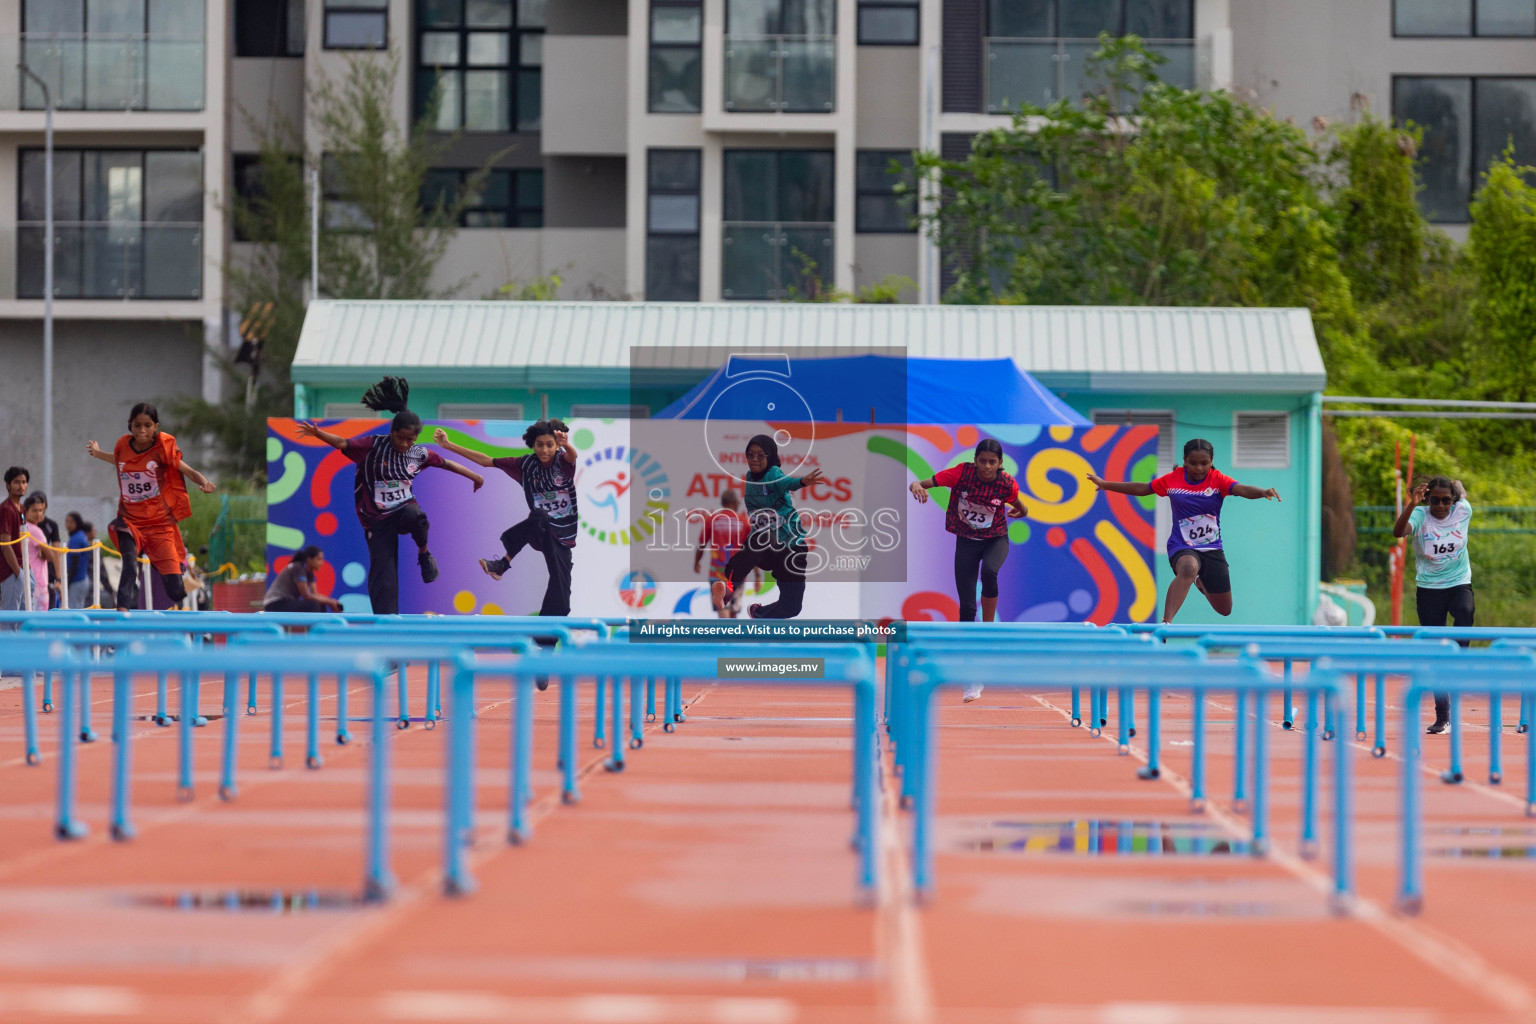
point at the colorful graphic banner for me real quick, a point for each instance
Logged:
(1080, 555)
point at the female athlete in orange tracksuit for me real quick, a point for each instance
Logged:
(152, 500)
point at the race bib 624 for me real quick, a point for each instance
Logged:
(1200, 531)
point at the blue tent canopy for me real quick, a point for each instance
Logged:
(887, 389)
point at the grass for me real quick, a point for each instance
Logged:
(1503, 579)
(249, 552)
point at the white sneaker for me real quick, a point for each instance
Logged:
(971, 693)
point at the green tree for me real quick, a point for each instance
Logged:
(1140, 193)
(1502, 246)
(377, 241)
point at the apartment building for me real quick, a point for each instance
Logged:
(686, 150)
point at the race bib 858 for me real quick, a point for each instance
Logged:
(139, 486)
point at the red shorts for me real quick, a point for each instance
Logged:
(162, 545)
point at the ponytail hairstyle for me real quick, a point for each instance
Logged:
(989, 444)
(147, 409)
(389, 395)
(770, 448)
(1199, 444)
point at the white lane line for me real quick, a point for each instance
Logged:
(275, 998)
(1194, 1013)
(469, 1007)
(1440, 951)
(35, 1001)
(899, 945)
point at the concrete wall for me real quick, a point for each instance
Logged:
(1272, 548)
(876, 256)
(585, 93)
(1302, 58)
(481, 260)
(265, 92)
(889, 97)
(101, 369)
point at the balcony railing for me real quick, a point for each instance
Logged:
(774, 260)
(103, 71)
(783, 74)
(1042, 71)
(112, 260)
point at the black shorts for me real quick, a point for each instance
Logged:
(1214, 575)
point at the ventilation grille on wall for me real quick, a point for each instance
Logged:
(479, 411)
(1163, 421)
(594, 411)
(1261, 440)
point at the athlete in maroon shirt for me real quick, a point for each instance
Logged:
(982, 498)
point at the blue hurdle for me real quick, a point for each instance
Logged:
(845, 665)
(1156, 676)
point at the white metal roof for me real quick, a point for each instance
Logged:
(1099, 348)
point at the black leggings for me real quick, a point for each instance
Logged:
(1434, 604)
(128, 581)
(384, 554)
(787, 563)
(295, 604)
(987, 555)
(534, 531)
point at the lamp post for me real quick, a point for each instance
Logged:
(47, 275)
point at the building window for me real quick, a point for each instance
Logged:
(356, 24)
(672, 225)
(888, 23)
(106, 55)
(1038, 52)
(504, 199)
(1467, 123)
(676, 57)
(878, 208)
(480, 61)
(777, 231)
(269, 28)
(602, 411)
(1462, 18)
(781, 55)
(128, 224)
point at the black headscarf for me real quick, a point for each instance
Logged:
(769, 446)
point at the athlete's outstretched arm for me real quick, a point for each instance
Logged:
(564, 439)
(440, 438)
(1130, 487)
(1245, 491)
(309, 428)
(796, 482)
(94, 451)
(464, 471)
(203, 483)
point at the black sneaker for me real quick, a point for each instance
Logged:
(494, 567)
(542, 682)
(1437, 728)
(752, 612)
(428, 566)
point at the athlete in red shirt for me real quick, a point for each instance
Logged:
(724, 533)
(1196, 491)
(152, 501)
(982, 498)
